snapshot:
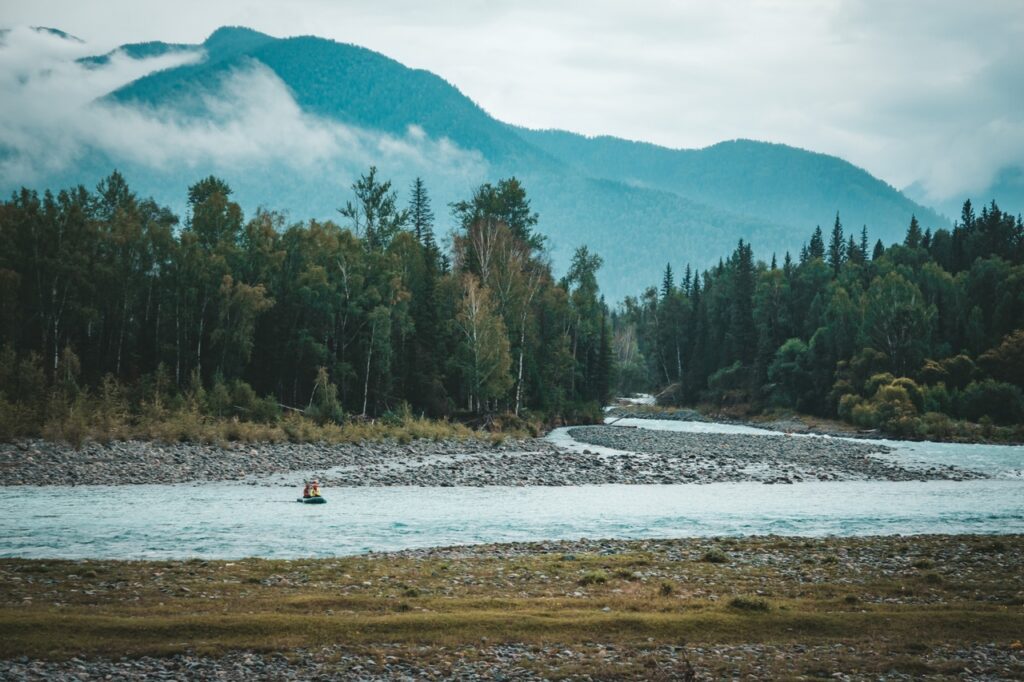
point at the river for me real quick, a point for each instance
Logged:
(232, 520)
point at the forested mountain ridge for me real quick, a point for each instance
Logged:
(776, 182)
(639, 204)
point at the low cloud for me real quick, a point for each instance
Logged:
(53, 113)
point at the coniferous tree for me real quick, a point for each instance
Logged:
(837, 247)
(816, 247)
(421, 216)
(913, 238)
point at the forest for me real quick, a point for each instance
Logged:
(114, 311)
(920, 339)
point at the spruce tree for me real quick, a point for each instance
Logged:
(879, 250)
(913, 238)
(668, 285)
(836, 247)
(421, 216)
(816, 248)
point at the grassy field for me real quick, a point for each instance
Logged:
(894, 596)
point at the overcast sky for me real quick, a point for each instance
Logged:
(923, 91)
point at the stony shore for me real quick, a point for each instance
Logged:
(643, 457)
(893, 608)
(477, 662)
(716, 457)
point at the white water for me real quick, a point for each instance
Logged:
(230, 520)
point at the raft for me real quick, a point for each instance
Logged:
(313, 500)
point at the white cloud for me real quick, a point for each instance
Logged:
(918, 90)
(52, 114)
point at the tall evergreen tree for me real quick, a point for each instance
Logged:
(913, 238)
(816, 247)
(421, 216)
(668, 285)
(837, 247)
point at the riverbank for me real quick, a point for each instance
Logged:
(805, 424)
(641, 456)
(683, 457)
(762, 607)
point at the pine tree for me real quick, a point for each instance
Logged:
(853, 251)
(687, 279)
(864, 244)
(742, 335)
(668, 285)
(816, 248)
(913, 238)
(420, 214)
(879, 250)
(836, 247)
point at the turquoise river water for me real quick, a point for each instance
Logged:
(231, 520)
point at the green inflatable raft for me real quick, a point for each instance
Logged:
(312, 500)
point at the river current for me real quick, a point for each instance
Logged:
(232, 520)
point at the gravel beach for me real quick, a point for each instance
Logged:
(716, 457)
(648, 457)
(896, 608)
(534, 663)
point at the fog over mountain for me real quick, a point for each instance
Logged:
(290, 123)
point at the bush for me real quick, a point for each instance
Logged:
(749, 604)
(933, 373)
(865, 414)
(715, 556)
(593, 578)
(847, 404)
(913, 392)
(876, 381)
(1003, 403)
(937, 399)
(960, 369)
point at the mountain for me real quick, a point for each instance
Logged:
(638, 205)
(1006, 189)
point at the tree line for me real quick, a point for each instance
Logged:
(915, 338)
(103, 291)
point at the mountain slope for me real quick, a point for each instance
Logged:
(780, 183)
(637, 204)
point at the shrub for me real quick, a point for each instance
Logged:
(960, 369)
(847, 404)
(715, 556)
(666, 589)
(749, 604)
(892, 404)
(1000, 401)
(876, 381)
(218, 398)
(933, 373)
(593, 578)
(913, 392)
(243, 399)
(937, 399)
(864, 414)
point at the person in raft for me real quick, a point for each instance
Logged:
(305, 491)
(315, 490)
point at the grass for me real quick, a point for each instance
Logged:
(190, 426)
(767, 594)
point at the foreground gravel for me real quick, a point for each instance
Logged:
(715, 457)
(649, 457)
(528, 662)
